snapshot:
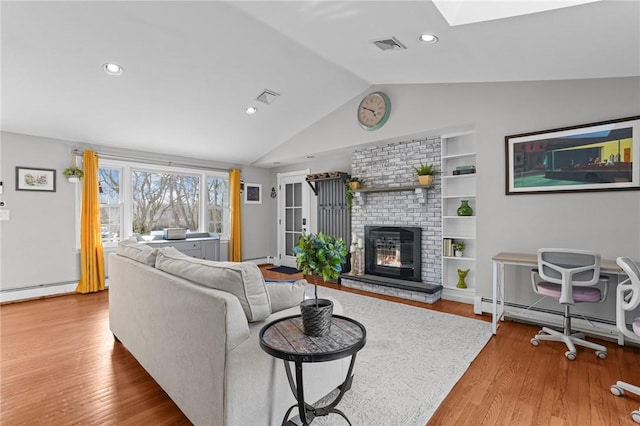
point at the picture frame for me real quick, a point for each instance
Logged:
(35, 179)
(252, 193)
(602, 156)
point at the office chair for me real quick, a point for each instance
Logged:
(571, 277)
(628, 299)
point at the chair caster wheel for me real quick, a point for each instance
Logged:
(535, 342)
(601, 354)
(617, 390)
(570, 355)
(635, 415)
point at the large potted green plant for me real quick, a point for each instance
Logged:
(319, 255)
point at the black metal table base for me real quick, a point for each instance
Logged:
(307, 412)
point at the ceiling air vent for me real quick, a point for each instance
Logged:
(389, 44)
(267, 97)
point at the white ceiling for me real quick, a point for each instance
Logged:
(191, 68)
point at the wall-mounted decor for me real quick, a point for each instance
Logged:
(252, 193)
(589, 157)
(31, 179)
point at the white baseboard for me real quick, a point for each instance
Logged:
(456, 295)
(37, 292)
(596, 327)
(260, 260)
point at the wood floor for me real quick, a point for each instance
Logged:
(59, 365)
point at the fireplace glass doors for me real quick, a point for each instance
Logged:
(393, 251)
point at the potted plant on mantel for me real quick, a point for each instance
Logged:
(355, 183)
(425, 174)
(73, 174)
(319, 255)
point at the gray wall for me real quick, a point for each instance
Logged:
(41, 231)
(259, 231)
(608, 222)
(37, 244)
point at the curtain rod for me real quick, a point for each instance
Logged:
(156, 162)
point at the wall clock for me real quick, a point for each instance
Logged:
(374, 111)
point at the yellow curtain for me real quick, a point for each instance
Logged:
(235, 240)
(91, 254)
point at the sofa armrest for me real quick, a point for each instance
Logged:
(180, 333)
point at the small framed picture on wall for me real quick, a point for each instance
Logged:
(35, 179)
(252, 193)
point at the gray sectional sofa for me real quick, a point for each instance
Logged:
(193, 325)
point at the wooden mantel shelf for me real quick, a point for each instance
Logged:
(393, 188)
(420, 190)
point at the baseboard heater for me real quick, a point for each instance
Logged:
(36, 291)
(600, 327)
(551, 311)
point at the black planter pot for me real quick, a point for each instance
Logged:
(316, 318)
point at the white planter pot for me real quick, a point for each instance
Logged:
(458, 253)
(73, 179)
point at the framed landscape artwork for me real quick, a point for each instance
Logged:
(590, 157)
(252, 193)
(30, 179)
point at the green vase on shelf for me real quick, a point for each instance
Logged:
(465, 209)
(462, 274)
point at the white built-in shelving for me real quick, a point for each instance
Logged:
(458, 150)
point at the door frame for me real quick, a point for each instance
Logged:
(281, 201)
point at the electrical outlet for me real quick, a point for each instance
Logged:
(4, 215)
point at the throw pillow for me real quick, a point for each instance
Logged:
(137, 251)
(285, 294)
(243, 280)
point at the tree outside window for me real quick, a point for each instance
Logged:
(164, 200)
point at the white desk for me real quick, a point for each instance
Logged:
(524, 259)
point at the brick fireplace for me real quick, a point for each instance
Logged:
(393, 165)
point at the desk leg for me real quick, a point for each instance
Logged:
(494, 302)
(498, 294)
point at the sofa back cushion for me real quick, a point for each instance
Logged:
(243, 280)
(136, 251)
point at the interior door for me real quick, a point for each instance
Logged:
(293, 213)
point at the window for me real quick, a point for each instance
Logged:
(140, 199)
(218, 207)
(164, 200)
(110, 204)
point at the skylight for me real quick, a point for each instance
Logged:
(461, 12)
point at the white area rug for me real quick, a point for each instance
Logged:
(412, 359)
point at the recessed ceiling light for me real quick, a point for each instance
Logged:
(427, 39)
(251, 110)
(112, 69)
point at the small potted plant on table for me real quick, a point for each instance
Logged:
(319, 255)
(425, 174)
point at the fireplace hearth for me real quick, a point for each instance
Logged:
(393, 252)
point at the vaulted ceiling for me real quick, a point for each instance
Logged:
(192, 68)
